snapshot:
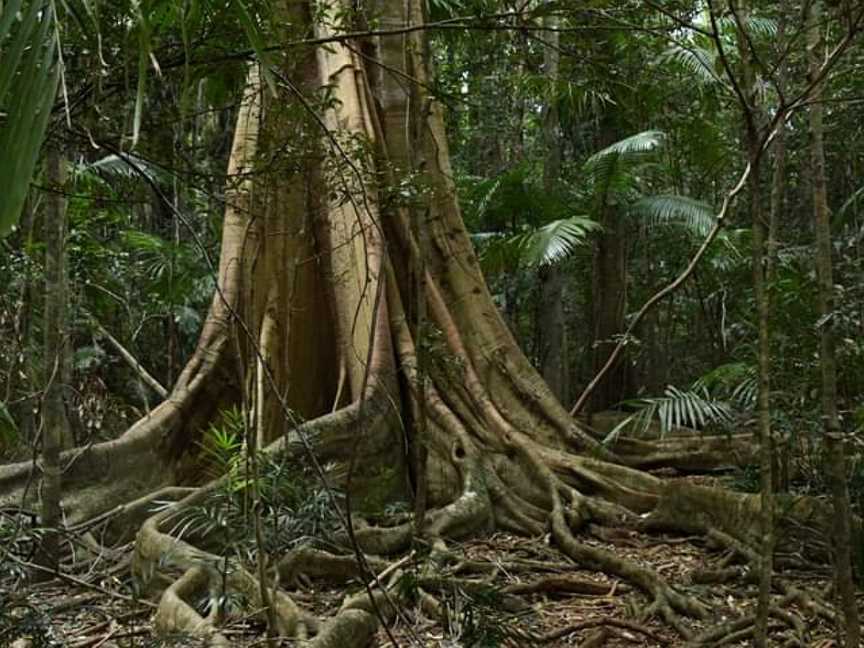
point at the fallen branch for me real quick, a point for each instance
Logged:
(132, 361)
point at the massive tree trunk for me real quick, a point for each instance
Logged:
(314, 329)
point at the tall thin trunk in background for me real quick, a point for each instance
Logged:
(55, 427)
(753, 122)
(609, 289)
(552, 324)
(834, 443)
(29, 294)
(780, 472)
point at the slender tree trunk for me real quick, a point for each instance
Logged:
(609, 290)
(610, 303)
(834, 442)
(780, 469)
(55, 427)
(552, 323)
(753, 122)
(30, 294)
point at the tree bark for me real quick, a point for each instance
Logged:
(780, 470)
(609, 292)
(753, 123)
(55, 427)
(552, 323)
(610, 301)
(835, 445)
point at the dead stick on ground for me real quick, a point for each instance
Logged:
(84, 584)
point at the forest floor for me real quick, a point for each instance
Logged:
(528, 594)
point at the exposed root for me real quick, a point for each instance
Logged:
(471, 512)
(155, 551)
(176, 615)
(667, 603)
(350, 628)
(744, 627)
(315, 563)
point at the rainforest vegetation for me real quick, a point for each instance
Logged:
(431, 322)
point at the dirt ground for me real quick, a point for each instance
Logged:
(530, 596)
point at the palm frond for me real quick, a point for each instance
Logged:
(604, 166)
(120, 167)
(643, 142)
(694, 408)
(497, 251)
(695, 216)
(736, 381)
(556, 241)
(546, 245)
(28, 84)
(756, 26)
(698, 61)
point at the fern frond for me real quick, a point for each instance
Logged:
(693, 215)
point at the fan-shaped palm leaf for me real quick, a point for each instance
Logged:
(28, 85)
(556, 241)
(735, 380)
(694, 408)
(696, 60)
(116, 166)
(605, 166)
(756, 26)
(693, 215)
(546, 245)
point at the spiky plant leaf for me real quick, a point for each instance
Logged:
(693, 215)
(694, 408)
(144, 242)
(28, 85)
